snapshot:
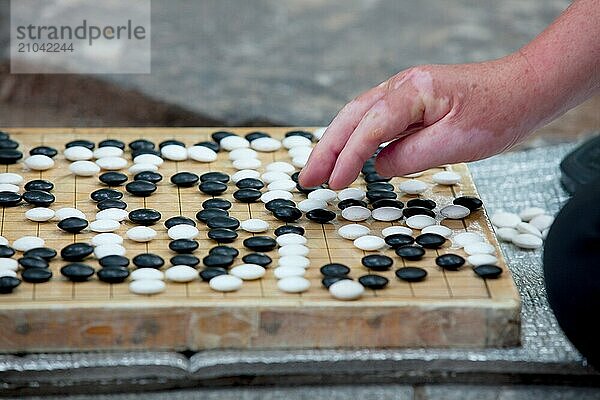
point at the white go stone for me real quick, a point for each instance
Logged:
(351, 193)
(39, 162)
(201, 154)
(503, 219)
(290, 238)
(7, 272)
(242, 153)
(246, 173)
(142, 167)
(248, 272)
(8, 264)
(545, 233)
(272, 176)
(9, 187)
(68, 212)
(294, 261)
(147, 286)
(104, 225)
(147, 273)
(394, 230)
(356, 213)
(111, 163)
(293, 250)
(107, 151)
(295, 141)
(413, 186)
(225, 283)
(280, 166)
(149, 159)
(346, 289)
(247, 163)
(479, 248)
(300, 161)
(464, 238)
(276, 194)
(287, 272)
(174, 152)
(11, 178)
(524, 227)
(353, 231)
(529, 213)
(39, 214)
(542, 222)
(109, 250)
(27, 243)
(293, 284)
(284, 184)
(84, 168)
(233, 142)
(181, 274)
(319, 132)
(301, 151)
(482, 259)
(455, 211)
(420, 221)
(386, 214)
(528, 241)
(311, 204)
(439, 230)
(141, 234)
(413, 175)
(369, 243)
(506, 234)
(327, 195)
(78, 153)
(265, 144)
(183, 231)
(446, 178)
(254, 225)
(107, 238)
(3, 241)
(116, 214)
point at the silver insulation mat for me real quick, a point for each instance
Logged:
(507, 182)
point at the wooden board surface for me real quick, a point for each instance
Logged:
(448, 309)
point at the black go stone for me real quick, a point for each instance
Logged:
(135, 153)
(472, 203)
(183, 246)
(148, 260)
(170, 142)
(4, 135)
(210, 213)
(212, 188)
(141, 144)
(223, 222)
(76, 251)
(43, 252)
(307, 190)
(220, 135)
(185, 179)
(335, 269)
(260, 243)
(112, 143)
(287, 213)
(8, 284)
(375, 177)
(141, 188)
(351, 203)
(321, 216)
(373, 281)
(36, 275)
(77, 272)
(104, 204)
(43, 151)
(450, 262)
(283, 229)
(222, 235)
(488, 271)
(6, 251)
(377, 262)
(32, 262)
(247, 195)
(374, 195)
(211, 145)
(430, 240)
(39, 184)
(387, 203)
(214, 177)
(179, 220)
(9, 199)
(224, 251)
(295, 176)
(217, 260)
(114, 274)
(223, 204)
(411, 253)
(149, 176)
(250, 183)
(411, 274)
(426, 203)
(185, 259)
(80, 142)
(10, 156)
(73, 224)
(8, 144)
(144, 216)
(105, 194)
(114, 260)
(38, 198)
(330, 280)
(305, 134)
(398, 240)
(416, 210)
(257, 258)
(380, 186)
(255, 135)
(208, 273)
(277, 203)
(368, 168)
(113, 178)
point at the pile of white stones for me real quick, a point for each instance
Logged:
(527, 229)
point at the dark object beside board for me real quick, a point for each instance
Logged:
(582, 165)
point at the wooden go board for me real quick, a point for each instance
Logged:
(448, 309)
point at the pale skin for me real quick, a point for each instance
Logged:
(443, 114)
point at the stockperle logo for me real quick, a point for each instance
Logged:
(80, 36)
